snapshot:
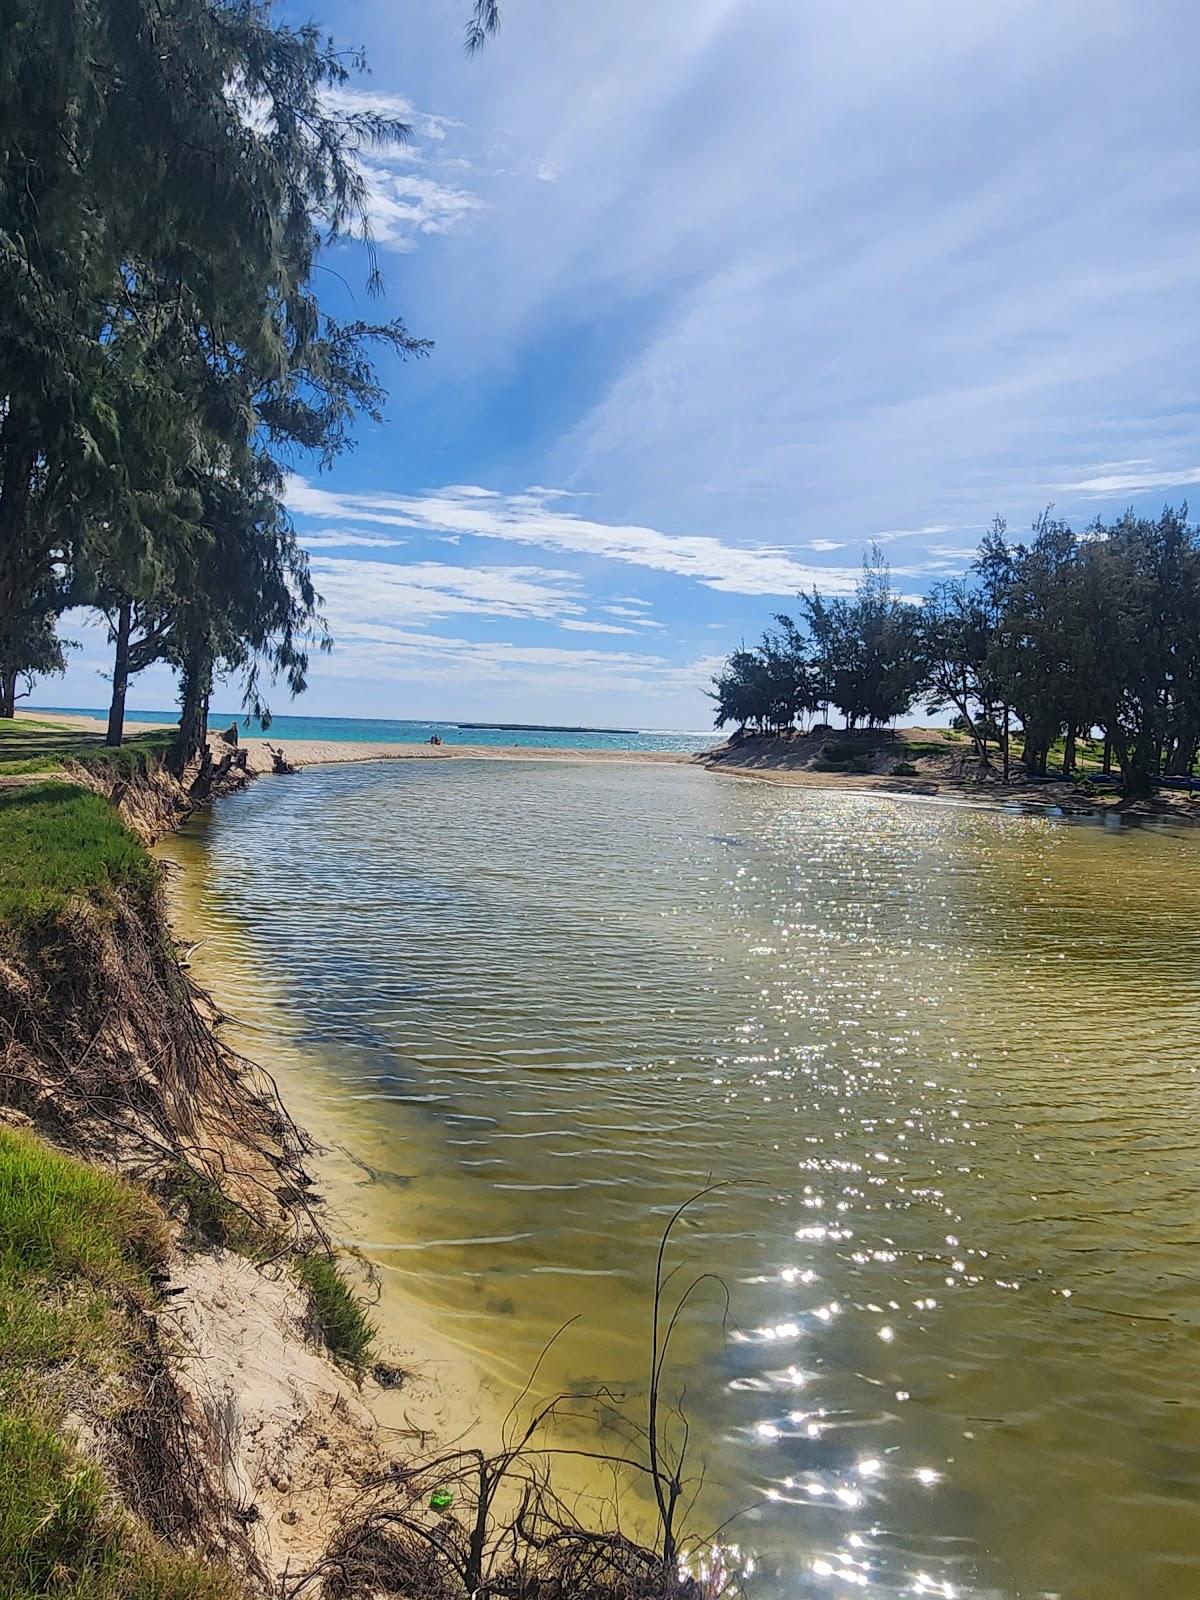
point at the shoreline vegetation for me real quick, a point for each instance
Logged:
(1036, 650)
(938, 764)
(193, 1394)
(918, 763)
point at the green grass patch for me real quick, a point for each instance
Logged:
(15, 727)
(75, 1244)
(904, 769)
(29, 747)
(60, 1539)
(61, 1219)
(131, 758)
(32, 764)
(59, 842)
(337, 1314)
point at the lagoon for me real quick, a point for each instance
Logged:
(942, 1060)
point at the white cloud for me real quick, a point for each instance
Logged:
(402, 204)
(1132, 482)
(398, 107)
(632, 613)
(594, 627)
(419, 591)
(343, 538)
(380, 652)
(531, 520)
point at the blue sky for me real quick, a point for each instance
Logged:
(721, 290)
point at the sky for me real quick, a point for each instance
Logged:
(720, 291)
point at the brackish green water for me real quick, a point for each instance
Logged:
(945, 1061)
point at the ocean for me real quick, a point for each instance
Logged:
(386, 730)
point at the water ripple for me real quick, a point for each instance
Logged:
(949, 1058)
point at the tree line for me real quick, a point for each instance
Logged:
(170, 173)
(1048, 637)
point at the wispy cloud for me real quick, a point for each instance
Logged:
(403, 204)
(573, 626)
(344, 538)
(382, 651)
(633, 613)
(1125, 482)
(421, 591)
(398, 107)
(533, 519)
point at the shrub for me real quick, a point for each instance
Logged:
(838, 754)
(904, 769)
(213, 1218)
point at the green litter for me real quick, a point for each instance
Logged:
(441, 1500)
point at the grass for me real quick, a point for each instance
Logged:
(76, 1250)
(29, 747)
(60, 1539)
(336, 1312)
(61, 1219)
(75, 1244)
(59, 842)
(913, 748)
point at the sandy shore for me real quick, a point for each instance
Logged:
(446, 1395)
(325, 752)
(764, 761)
(792, 765)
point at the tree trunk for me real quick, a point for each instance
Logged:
(8, 694)
(17, 458)
(1183, 755)
(1069, 751)
(1140, 768)
(193, 709)
(120, 682)
(1004, 745)
(1106, 765)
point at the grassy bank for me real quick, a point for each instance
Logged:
(78, 1248)
(86, 1253)
(29, 747)
(59, 842)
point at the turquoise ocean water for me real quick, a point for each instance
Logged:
(380, 730)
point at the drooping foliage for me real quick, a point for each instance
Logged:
(170, 171)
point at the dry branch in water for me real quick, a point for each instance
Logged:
(468, 1525)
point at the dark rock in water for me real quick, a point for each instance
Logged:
(387, 1376)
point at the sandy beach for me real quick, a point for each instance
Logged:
(325, 752)
(791, 763)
